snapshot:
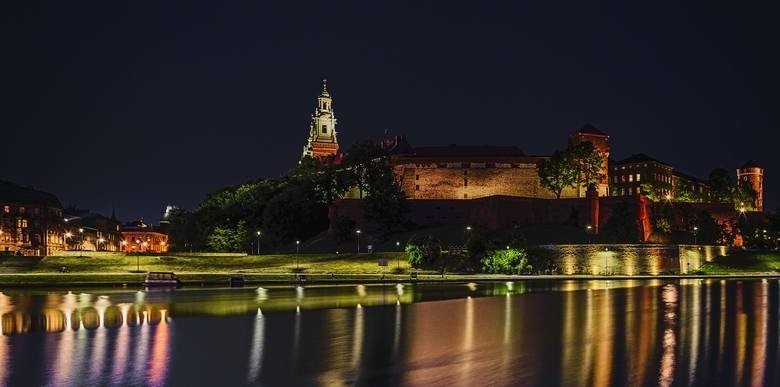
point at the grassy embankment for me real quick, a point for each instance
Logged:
(105, 268)
(744, 262)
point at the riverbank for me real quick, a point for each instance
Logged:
(119, 270)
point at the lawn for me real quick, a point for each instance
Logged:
(275, 263)
(744, 262)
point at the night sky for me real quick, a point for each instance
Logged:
(138, 105)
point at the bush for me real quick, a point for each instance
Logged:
(508, 261)
(423, 251)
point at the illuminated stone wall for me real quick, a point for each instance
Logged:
(427, 179)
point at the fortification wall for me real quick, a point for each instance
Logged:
(473, 180)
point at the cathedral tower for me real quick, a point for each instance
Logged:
(322, 130)
(752, 173)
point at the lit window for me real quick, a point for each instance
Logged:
(638, 176)
(6, 209)
(630, 178)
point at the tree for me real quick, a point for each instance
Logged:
(586, 162)
(721, 186)
(370, 171)
(184, 231)
(556, 173)
(228, 238)
(295, 213)
(423, 251)
(506, 261)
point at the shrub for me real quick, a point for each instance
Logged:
(508, 261)
(423, 251)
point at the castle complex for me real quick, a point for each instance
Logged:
(444, 176)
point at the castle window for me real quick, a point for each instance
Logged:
(417, 177)
(465, 182)
(416, 187)
(324, 128)
(465, 196)
(630, 178)
(6, 209)
(638, 176)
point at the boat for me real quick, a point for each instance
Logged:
(161, 278)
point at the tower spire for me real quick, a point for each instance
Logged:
(322, 129)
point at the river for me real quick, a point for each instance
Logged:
(574, 333)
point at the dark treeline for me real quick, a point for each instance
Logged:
(293, 207)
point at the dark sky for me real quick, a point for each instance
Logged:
(138, 105)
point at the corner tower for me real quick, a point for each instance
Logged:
(322, 129)
(753, 174)
(600, 141)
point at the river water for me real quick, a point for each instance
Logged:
(575, 333)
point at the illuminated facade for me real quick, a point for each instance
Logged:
(470, 172)
(91, 232)
(139, 237)
(322, 140)
(31, 221)
(752, 173)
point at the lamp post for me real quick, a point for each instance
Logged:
(695, 231)
(398, 257)
(81, 242)
(588, 230)
(297, 254)
(258, 241)
(357, 232)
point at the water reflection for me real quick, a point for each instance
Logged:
(687, 332)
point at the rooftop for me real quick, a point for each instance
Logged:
(13, 193)
(467, 150)
(641, 158)
(590, 129)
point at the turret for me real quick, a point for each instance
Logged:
(752, 173)
(600, 141)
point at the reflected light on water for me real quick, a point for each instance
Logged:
(669, 346)
(256, 353)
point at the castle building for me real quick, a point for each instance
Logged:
(470, 172)
(632, 173)
(88, 231)
(752, 173)
(322, 140)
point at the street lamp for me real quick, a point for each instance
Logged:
(357, 232)
(297, 255)
(398, 257)
(81, 242)
(258, 241)
(695, 231)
